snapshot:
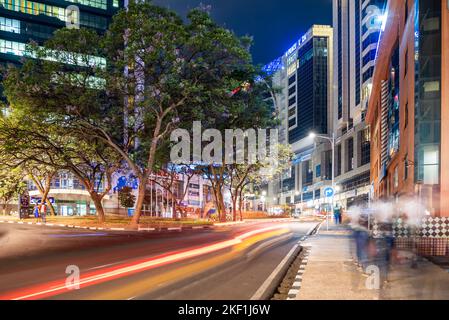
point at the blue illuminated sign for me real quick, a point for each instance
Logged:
(292, 49)
(297, 44)
(329, 192)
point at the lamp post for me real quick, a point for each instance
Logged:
(332, 141)
(263, 198)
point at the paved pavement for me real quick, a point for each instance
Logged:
(224, 263)
(331, 274)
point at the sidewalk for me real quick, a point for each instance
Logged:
(331, 273)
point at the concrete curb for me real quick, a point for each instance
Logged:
(268, 288)
(140, 230)
(295, 289)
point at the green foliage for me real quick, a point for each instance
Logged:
(11, 185)
(126, 197)
(72, 111)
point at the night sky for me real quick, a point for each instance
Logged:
(274, 24)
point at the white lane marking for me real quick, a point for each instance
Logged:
(147, 229)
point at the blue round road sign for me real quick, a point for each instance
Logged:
(329, 192)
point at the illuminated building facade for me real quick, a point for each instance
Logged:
(357, 28)
(408, 107)
(304, 76)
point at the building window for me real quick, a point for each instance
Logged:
(365, 146)
(406, 63)
(9, 25)
(318, 171)
(406, 164)
(350, 154)
(338, 169)
(406, 12)
(292, 80)
(396, 178)
(406, 116)
(307, 173)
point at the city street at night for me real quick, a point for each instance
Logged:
(219, 264)
(223, 158)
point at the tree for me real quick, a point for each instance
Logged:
(176, 72)
(58, 84)
(11, 185)
(55, 147)
(169, 178)
(242, 176)
(159, 73)
(126, 197)
(42, 176)
(246, 108)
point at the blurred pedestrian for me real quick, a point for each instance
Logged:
(43, 212)
(36, 212)
(337, 215)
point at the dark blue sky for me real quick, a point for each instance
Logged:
(274, 24)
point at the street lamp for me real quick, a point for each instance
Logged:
(263, 199)
(331, 139)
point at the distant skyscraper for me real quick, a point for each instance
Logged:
(304, 76)
(357, 28)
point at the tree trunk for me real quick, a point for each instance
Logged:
(4, 205)
(222, 207)
(234, 209)
(50, 206)
(139, 203)
(241, 205)
(98, 207)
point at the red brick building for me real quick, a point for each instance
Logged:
(408, 110)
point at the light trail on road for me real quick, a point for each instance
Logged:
(107, 274)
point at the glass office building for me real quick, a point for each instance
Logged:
(304, 74)
(24, 20)
(358, 26)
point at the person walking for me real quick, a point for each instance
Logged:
(44, 213)
(337, 215)
(36, 212)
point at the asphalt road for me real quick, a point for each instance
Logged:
(222, 263)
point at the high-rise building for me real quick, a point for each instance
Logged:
(357, 29)
(24, 20)
(304, 76)
(408, 107)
